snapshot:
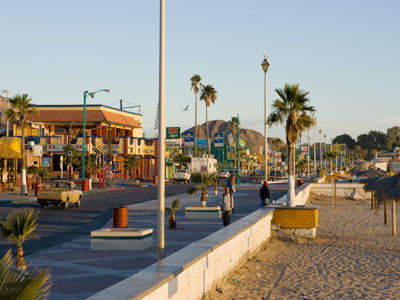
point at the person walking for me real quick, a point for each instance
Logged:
(232, 188)
(265, 194)
(227, 206)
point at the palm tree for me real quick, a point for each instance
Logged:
(330, 155)
(19, 227)
(195, 80)
(208, 95)
(176, 204)
(201, 181)
(233, 124)
(293, 111)
(21, 107)
(131, 162)
(181, 159)
(276, 144)
(22, 284)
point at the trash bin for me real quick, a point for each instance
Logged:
(300, 182)
(155, 179)
(85, 185)
(38, 187)
(120, 217)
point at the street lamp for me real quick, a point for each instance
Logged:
(7, 104)
(85, 94)
(265, 66)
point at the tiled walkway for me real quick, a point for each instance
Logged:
(77, 272)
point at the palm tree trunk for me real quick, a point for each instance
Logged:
(291, 192)
(21, 264)
(203, 198)
(196, 132)
(208, 135)
(23, 174)
(330, 166)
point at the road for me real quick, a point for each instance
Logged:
(57, 225)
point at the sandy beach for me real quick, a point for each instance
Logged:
(354, 256)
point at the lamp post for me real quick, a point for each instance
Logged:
(7, 106)
(161, 141)
(265, 66)
(320, 149)
(85, 94)
(324, 153)
(238, 152)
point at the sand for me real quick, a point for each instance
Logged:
(354, 256)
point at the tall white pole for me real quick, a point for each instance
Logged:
(161, 142)
(308, 154)
(7, 106)
(265, 127)
(315, 146)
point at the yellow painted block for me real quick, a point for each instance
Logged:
(296, 217)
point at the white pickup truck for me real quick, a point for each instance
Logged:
(181, 175)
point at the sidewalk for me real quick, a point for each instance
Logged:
(16, 197)
(77, 272)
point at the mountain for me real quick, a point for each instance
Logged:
(252, 138)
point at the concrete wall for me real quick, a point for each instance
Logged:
(302, 194)
(194, 270)
(346, 190)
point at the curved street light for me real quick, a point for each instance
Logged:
(85, 94)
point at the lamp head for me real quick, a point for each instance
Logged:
(265, 65)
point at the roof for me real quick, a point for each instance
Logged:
(74, 113)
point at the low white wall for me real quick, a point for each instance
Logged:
(302, 194)
(347, 190)
(194, 270)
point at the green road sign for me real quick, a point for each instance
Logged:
(173, 133)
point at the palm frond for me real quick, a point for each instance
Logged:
(22, 284)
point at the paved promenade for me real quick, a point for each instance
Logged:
(354, 257)
(78, 272)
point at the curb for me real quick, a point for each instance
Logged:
(103, 190)
(24, 200)
(135, 184)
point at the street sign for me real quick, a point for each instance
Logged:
(188, 138)
(202, 143)
(203, 168)
(173, 133)
(218, 140)
(46, 162)
(175, 143)
(69, 153)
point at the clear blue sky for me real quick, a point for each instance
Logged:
(346, 53)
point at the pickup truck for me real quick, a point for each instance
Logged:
(60, 193)
(181, 175)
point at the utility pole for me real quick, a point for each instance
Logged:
(320, 149)
(7, 107)
(69, 157)
(324, 153)
(308, 154)
(161, 143)
(315, 142)
(238, 153)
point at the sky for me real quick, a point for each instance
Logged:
(345, 53)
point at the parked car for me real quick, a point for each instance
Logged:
(181, 175)
(60, 193)
(224, 174)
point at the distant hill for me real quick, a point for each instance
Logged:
(249, 136)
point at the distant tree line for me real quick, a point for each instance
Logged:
(367, 144)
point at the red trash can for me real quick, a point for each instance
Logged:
(120, 217)
(155, 179)
(85, 185)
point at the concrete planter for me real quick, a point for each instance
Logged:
(199, 212)
(125, 239)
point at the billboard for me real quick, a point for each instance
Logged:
(218, 140)
(202, 144)
(188, 138)
(231, 141)
(173, 133)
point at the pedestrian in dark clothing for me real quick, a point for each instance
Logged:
(227, 205)
(232, 189)
(265, 194)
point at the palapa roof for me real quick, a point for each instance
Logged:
(386, 187)
(74, 113)
(7, 153)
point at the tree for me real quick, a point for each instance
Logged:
(330, 155)
(195, 83)
(19, 227)
(374, 140)
(208, 95)
(301, 165)
(345, 139)
(21, 107)
(201, 181)
(293, 111)
(22, 284)
(233, 124)
(131, 162)
(393, 137)
(181, 159)
(276, 144)
(72, 159)
(176, 204)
